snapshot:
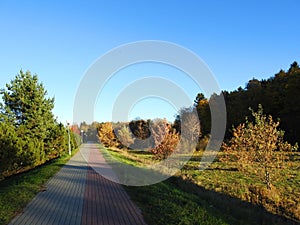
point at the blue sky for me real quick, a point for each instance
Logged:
(59, 40)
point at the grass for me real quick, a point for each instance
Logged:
(164, 203)
(228, 191)
(18, 190)
(282, 199)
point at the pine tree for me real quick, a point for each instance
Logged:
(28, 113)
(26, 105)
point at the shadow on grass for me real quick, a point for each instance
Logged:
(243, 212)
(157, 199)
(229, 209)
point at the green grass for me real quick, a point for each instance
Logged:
(282, 199)
(164, 203)
(130, 157)
(236, 197)
(18, 190)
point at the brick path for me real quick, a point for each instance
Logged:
(79, 195)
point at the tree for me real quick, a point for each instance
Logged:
(26, 105)
(124, 135)
(159, 128)
(29, 134)
(106, 134)
(141, 132)
(167, 146)
(164, 138)
(189, 129)
(258, 144)
(202, 106)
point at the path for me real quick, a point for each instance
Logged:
(79, 195)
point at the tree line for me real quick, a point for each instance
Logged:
(252, 136)
(29, 133)
(279, 96)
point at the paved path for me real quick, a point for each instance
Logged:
(79, 195)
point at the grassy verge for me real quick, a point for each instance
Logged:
(17, 191)
(234, 197)
(165, 203)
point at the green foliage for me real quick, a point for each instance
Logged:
(25, 104)
(29, 134)
(259, 144)
(280, 96)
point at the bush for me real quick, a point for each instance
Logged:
(165, 139)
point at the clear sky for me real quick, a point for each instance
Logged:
(59, 40)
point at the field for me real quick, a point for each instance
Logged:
(222, 193)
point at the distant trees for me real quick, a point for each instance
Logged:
(279, 95)
(258, 144)
(29, 134)
(157, 136)
(201, 104)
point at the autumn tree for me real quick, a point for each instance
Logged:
(124, 135)
(106, 134)
(165, 139)
(202, 107)
(167, 146)
(258, 144)
(142, 135)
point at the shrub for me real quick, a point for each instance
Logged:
(165, 139)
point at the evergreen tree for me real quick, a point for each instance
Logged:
(29, 134)
(26, 105)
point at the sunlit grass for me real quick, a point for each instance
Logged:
(164, 203)
(226, 179)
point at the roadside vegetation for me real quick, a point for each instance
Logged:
(29, 134)
(256, 176)
(238, 198)
(33, 145)
(18, 190)
(255, 179)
